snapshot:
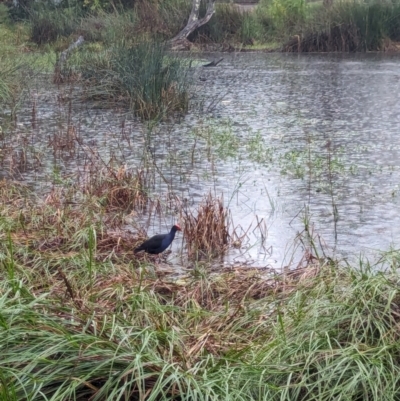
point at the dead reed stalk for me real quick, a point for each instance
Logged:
(206, 230)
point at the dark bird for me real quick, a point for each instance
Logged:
(159, 243)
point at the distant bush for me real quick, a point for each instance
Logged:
(110, 28)
(226, 24)
(337, 26)
(49, 24)
(162, 19)
(281, 18)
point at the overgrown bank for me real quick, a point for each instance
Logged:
(81, 318)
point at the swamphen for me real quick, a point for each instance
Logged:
(159, 243)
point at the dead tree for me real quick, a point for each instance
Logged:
(59, 67)
(180, 41)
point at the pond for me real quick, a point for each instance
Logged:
(291, 141)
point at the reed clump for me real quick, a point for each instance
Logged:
(142, 77)
(206, 229)
(119, 188)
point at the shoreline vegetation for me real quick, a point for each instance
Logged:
(81, 317)
(271, 25)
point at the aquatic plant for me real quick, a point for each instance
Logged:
(118, 188)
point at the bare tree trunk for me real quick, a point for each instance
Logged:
(194, 22)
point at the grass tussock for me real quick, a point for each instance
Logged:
(142, 77)
(206, 230)
(119, 188)
(70, 218)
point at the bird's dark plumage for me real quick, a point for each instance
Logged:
(159, 243)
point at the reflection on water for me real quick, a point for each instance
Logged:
(297, 137)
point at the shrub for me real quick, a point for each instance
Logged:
(282, 18)
(162, 19)
(110, 28)
(225, 23)
(49, 24)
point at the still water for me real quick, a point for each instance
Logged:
(287, 139)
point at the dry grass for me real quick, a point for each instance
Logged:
(58, 225)
(214, 331)
(101, 323)
(206, 229)
(120, 188)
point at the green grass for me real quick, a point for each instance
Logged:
(81, 317)
(16, 49)
(14, 38)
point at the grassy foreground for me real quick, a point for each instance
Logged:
(82, 319)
